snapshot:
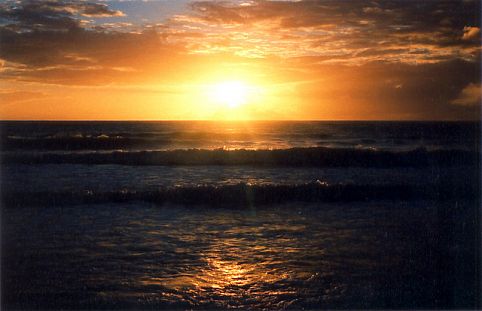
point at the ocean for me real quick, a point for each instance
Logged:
(247, 215)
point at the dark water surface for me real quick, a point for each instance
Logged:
(169, 135)
(262, 215)
(385, 254)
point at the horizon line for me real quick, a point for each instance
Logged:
(240, 120)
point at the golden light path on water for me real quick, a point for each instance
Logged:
(236, 263)
(232, 268)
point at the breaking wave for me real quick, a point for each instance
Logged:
(296, 157)
(247, 194)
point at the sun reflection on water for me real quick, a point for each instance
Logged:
(236, 259)
(219, 275)
(230, 268)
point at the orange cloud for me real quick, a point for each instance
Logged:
(470, 95)
(471, 33)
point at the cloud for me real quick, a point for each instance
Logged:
(15, 96)
(96, 10)
(51, 15)
(46, 41)
(348, 28)
(471, 33)
(469, 96)
(350, 32)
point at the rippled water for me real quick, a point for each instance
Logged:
(319, 215)
(382, 254)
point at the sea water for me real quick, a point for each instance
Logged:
(216, 215)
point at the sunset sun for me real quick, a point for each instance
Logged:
(230, 94)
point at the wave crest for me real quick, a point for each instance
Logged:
(299, 157)
(247, 194)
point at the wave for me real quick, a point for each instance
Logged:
(247, 194)
(295, 157)
(82, 142)
(125, 137)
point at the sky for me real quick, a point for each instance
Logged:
(246, 59)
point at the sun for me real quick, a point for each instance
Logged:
(231, 94)
(231, 99)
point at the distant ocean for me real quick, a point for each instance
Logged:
(257, 215)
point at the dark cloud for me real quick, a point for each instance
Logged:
(37, 15)
(84, 56)
(437, 23)
(48, 41)
(96, 10)
(48, 48)
(51, 15)
(397, 15)
(50, 33)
